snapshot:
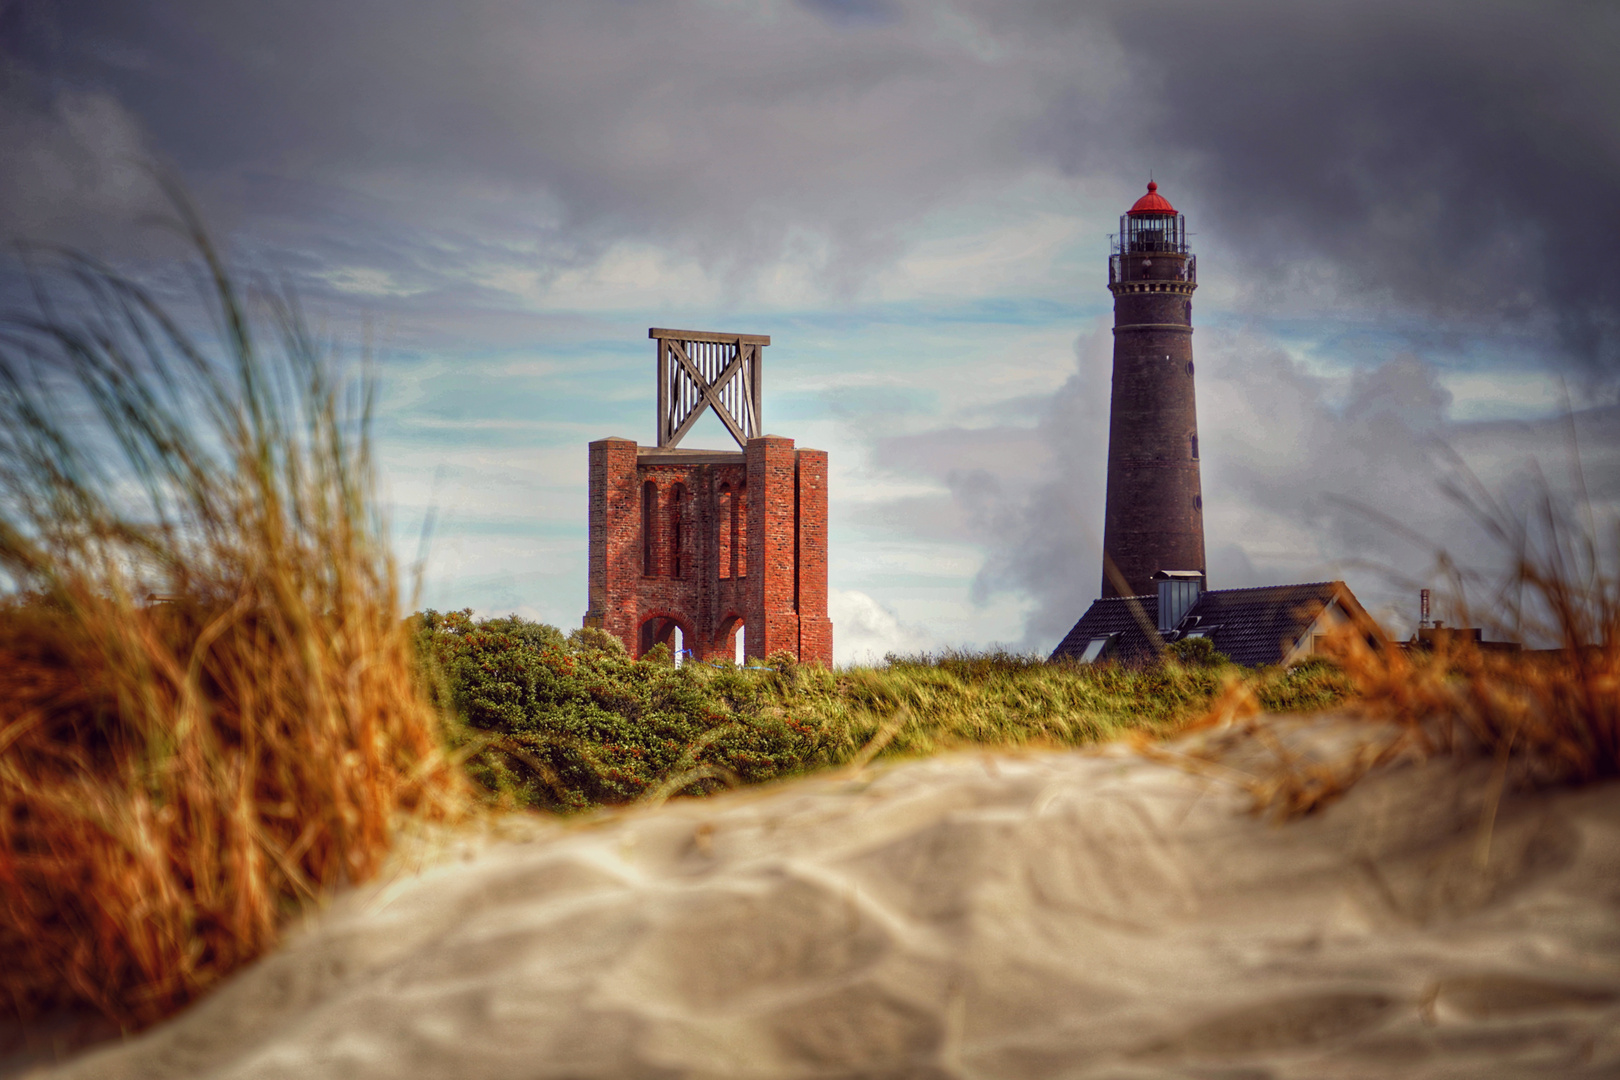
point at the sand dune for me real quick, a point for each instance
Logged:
(1084, 915)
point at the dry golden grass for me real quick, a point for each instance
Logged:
(1546, 716)
(209, 711)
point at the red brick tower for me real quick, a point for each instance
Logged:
(710, 541)
(1155, 515)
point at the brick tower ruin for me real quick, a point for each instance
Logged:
(710, 541)
(1155, 513)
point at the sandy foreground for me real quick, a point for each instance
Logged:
(977, 915)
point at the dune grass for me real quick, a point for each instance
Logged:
(210, 712)
(573, 723)
(1547, 715)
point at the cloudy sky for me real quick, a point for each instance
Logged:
(1404, 215)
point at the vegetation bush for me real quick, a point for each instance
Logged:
(571, 723)
(1196, 652)
(210, 711)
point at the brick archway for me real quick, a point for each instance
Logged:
(659, 628)
(725, 638)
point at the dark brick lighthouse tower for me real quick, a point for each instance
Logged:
(1155, 515)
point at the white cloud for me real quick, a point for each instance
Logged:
(864, 631)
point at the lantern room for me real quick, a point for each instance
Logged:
(1151, 227)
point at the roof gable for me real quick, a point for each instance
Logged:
(1253, 627)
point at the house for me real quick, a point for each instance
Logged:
(1272, 624)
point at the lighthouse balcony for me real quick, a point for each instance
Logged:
(1122, 288)
(1139, 268)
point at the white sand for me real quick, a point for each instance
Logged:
(1034, 915)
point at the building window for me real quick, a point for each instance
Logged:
(1198, 502)
(1189, 369)
(649, 523)
(1096, 647)
(1193, 439)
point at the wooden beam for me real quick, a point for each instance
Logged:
(757, 386)
(709, 335)
(683, 456)
(663, 393)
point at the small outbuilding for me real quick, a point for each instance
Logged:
(1272, 624)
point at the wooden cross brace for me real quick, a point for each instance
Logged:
(744, 362)
(710, 393)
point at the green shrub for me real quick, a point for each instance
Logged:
(567, 723)
(1196, 652)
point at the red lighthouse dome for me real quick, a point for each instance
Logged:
(1152, 204)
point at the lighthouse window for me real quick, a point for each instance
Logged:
(1198, 502)
(1189, 367)
(1194, 440)
(1189, 313)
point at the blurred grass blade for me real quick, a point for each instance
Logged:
(209, 707)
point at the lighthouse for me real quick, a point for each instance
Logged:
(1155, 590)
(1154, 519)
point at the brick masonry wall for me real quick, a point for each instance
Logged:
(1154, 516)
(815, 629)
(764, 567)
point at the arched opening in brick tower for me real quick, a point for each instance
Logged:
(670, 630)
(732, 623)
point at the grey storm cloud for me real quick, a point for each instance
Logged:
(71, 166)
(714, 127)
(1459, 159)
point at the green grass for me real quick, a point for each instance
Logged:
(570, 723)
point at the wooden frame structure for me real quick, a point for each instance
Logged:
(698, 370)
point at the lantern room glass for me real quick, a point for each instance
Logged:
(1149, 233)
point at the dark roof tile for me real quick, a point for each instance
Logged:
(1253, 627)
(1113, 615)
